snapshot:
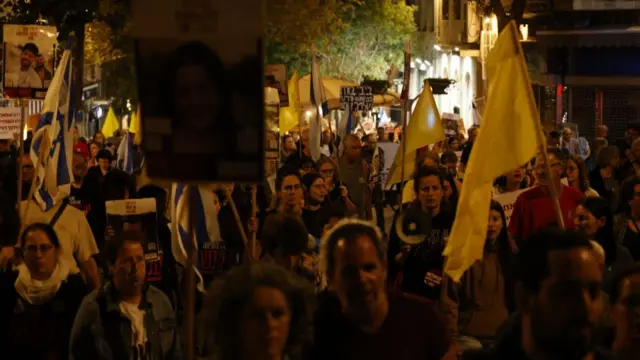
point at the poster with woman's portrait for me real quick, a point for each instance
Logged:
(200, 79)
(29, 58)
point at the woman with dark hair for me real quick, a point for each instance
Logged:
(514, 180)
(595, 220)
(336, 191)
(450, 190)
(39, 299)
(258, 311)
(477, 306)
(578, 176)
(196, 100)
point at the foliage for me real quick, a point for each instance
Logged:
(293, 26)
(372, 42)
(355, 38)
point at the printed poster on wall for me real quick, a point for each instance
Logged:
(200, 77)
(275, 76)
(138, 214)
(10, 121)
(28, 60)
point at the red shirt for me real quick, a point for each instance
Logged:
(82, 148)
(533, 210)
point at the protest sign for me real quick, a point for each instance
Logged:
(507, 201)
(10, 122)
(276, 77)
(200, 77)
(29, 60)
(138, 214)
(356, 98)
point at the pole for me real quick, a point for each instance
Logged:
(23, 114)
(243, 234)
(190, 281)
(405, 109)
(541, 140)
(254, 211)
(44, 148)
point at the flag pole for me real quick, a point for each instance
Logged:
(23, 114)
(44, 145)
(190, 281)
(541, 140)
(405, 108)
(254, 212)
(243, 234)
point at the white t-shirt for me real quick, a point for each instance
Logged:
(72, 229)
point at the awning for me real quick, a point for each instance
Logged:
(616, 37)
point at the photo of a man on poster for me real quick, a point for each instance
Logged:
(28, 77)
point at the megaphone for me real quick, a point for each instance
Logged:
(413, 225)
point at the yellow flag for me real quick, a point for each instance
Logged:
(111, 124)
(134, 126)
(508, 139)
(137, 140)
(290, 116)
(425, 128)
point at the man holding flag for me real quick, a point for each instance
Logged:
(51, 153)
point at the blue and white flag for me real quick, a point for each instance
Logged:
(319, 102)
(384, 118)
(205, 235)
(54, 175)
(125, 153)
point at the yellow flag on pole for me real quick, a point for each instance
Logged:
(425, 128)
(111, 124)
(134, 126)
(508, 139)
(290, 116)
(137, 140)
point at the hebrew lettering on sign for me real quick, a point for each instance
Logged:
(357, 98)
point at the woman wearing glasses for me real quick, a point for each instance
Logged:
(39, 300)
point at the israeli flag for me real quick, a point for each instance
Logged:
(207, 229)
(53, 137)
(384, 118)
(125, 153)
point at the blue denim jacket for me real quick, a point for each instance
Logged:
(101, 332)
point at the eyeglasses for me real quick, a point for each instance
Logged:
(33, 249)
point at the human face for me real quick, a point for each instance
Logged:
(27, 168)
(586, 222)
(265, 324)
(495, 225)
(572, 171)
(359, 277)
(99, 138)
(454, 145)
(326, 170)
(317, 192)
(39, 61)
(26, 58)
(291, 192)
(289, 144)
(40, 255)
(129, 269)
(94, 148)
(567, 134)
(430, 193)
(304, 138)
(516, 175)
(556, 168)
(451, 167)
(196, 98)
(216, 202)
(447, 190)
(568, 307)
(353, 149)
(79, 167)
(624, 313)
(104, 164)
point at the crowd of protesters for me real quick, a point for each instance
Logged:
(331, 279)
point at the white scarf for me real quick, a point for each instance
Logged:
(38, 292)
(136, 317)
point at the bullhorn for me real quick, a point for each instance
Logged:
(413, 225)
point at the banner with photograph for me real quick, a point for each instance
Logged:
(275, 76)
(200, 77)
(29, 58)
(10, 121)
(138, 214)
